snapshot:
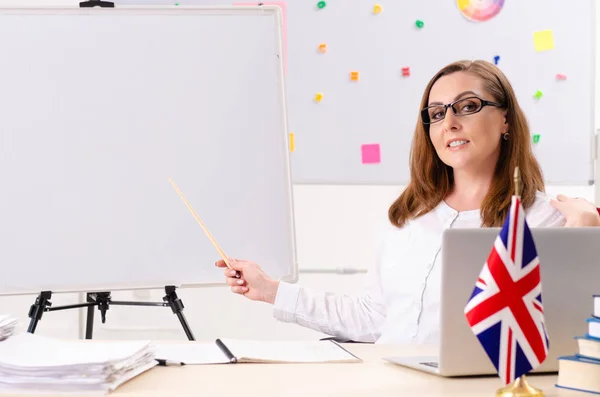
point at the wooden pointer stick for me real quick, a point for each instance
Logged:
(210, 236)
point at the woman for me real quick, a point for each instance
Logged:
(470, 136)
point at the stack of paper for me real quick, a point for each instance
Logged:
(7, 326)
(31, 363)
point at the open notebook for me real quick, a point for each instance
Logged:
(225, 351)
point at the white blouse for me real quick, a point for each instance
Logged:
(401, 299)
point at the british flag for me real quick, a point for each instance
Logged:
(505, 311)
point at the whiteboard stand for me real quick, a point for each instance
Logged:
(103, 300)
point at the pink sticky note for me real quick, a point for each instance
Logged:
(561, 76)
(281, 4)
(371, 153)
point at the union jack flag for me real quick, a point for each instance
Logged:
(505, 311)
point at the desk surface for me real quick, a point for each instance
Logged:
(372, 377)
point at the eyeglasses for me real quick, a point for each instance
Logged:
(462, 107)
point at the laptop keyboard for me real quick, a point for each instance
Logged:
(430, 364)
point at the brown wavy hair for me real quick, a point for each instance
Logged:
(431, 180)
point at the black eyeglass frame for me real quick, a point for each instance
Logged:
(484, 103)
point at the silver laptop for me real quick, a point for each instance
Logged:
(570, 270)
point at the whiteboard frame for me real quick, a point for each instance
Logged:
(181, 10)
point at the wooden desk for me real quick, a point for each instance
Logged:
(372, 378)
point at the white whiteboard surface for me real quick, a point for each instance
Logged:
(100, 107)
(383, 106)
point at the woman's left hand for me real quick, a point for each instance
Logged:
(577, 211)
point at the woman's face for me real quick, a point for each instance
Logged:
(470, 141)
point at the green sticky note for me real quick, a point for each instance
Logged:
(536, 138)
(321, 4)
(538, 94)
(419, 23)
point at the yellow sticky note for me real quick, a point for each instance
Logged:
(543, 40)
(318, 97)
(292, 143)
(377, 9)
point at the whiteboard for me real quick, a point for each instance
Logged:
(382, 107)
(100, 107)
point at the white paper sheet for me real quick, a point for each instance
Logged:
(191, 353)
(288, 351)
(255, 351)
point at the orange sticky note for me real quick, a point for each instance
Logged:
(543, 40)
(323, 48)
(371, 153)
(377, 9)
(318, 97)
(354, 76)
(292, 143)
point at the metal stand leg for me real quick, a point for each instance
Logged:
(103, 301)
(177, 307)
(89, 325)
(38, 308)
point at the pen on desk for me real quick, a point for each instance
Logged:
(168, 363)
(226, 351)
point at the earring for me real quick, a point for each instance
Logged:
(506, 135)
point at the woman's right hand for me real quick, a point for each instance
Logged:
(252, 282)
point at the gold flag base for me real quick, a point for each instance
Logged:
(520, 388)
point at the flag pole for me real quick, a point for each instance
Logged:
(517, 177)
(520, 387)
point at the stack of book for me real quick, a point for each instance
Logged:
(7, 326)
(582, 370)
(34, 364)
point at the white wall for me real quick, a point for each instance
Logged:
(335, 229)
